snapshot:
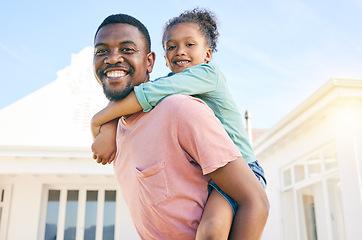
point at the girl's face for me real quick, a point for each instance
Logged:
(185, 46)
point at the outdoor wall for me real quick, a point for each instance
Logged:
(335, 125)
(27, 188)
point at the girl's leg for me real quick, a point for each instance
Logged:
(216, 219)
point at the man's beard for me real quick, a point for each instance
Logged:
(114, 95)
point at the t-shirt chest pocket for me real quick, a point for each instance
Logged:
(153, 183)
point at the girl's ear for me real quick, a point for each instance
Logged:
(208, 55)
(166, 61)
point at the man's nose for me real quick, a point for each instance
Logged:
(113, 58)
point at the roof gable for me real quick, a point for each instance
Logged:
(59, 113)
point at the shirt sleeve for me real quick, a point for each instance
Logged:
(203, 137)
(199, 79)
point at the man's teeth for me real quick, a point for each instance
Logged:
(116, 74)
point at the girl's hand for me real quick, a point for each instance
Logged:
(104, 147)
(104, 150)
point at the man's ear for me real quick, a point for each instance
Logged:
(151, 57)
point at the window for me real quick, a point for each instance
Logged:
(4, 209)
(80, 214)
(71, 214)
(330, 158)
(307, 202)
(311, 197)
(110, 212)
(299, 171)
(52, 214)
(91, 215)
(2, 191)
(335, 207)
(287, 177)
(314, 165)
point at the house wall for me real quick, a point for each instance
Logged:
(349, 146)
(28, 191)
(338, 125)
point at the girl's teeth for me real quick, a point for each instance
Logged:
(181, 62)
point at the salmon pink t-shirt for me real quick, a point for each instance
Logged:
(163, 158)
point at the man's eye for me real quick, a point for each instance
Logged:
(100, 52)
(128, 50)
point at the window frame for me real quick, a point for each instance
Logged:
(309, 180)
(5, 193)
(81, 211)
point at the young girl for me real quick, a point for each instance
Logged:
(189, 41)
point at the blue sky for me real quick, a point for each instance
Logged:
(274, 53)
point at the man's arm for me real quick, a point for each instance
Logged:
(202, 136)
(238, 181)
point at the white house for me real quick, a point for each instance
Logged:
(51, 188)
(313, 160)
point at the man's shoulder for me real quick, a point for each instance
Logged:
(182, 104)
(178, 100)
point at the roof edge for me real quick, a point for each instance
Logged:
(326, 88)
(45, 151)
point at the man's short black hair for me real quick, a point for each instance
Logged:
(124, 18)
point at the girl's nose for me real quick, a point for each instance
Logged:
(180, 51)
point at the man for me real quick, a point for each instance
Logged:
(166, 157)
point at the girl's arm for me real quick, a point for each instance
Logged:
(126, 106)
(198, 79)
(104, 146)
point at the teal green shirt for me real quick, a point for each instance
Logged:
(204, 81)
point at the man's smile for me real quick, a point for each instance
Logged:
(116, 74)
(112, 75)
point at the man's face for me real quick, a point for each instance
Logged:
(121, 60)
